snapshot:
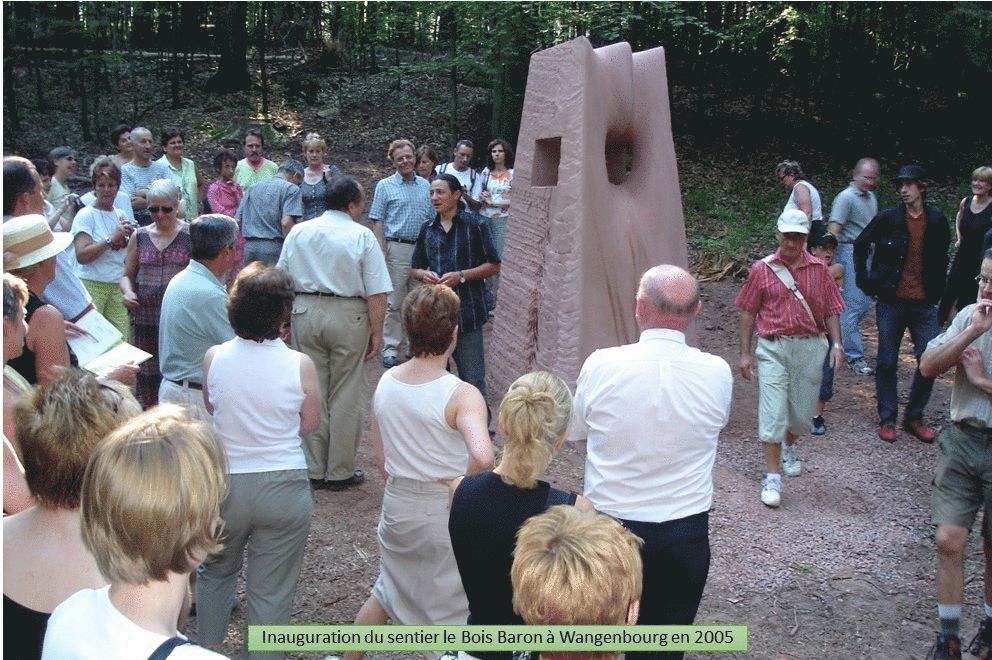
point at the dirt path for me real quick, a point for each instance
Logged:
(844, 569)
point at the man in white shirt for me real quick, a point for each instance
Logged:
(652, 413)
(337, 321)
(460, 167)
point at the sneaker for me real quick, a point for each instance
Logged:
(981, 643)
(918, 429)
(819, 426)
(860, 367)
(887, 432)
(947, 647)
(771, 491)
(389, 361)
(791, 465)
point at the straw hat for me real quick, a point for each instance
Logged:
(30, 240)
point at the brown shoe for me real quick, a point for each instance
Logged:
(917, 428)
(887, 432)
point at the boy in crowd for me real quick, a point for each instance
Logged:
(823, 246)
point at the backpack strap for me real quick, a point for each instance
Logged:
(783, 274)
(166, 648)
(556, 497)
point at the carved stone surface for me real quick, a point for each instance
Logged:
(595, 203)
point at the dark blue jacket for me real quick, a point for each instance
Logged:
(888, 235)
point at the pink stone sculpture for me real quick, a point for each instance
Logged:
(595, 203)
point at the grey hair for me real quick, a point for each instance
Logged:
(163, 189)
(211, 233)
(789, 167)
(293, 167)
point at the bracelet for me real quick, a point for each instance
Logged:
(838, 347)
(109, 243)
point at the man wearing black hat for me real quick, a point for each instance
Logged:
(906, 277)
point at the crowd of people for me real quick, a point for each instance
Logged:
(261, 295)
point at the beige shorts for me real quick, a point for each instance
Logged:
(963, 482)
(789, 373)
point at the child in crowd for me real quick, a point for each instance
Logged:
(224, 196)
(150, 515)
(823, 245)
(579, 568)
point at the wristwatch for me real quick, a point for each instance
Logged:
(109, 242)
(838, 347)
(462, 273)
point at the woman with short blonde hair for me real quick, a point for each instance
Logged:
(316, 176)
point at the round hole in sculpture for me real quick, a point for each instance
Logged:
(619, 158)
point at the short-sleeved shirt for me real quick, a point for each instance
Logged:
(776, 309)
(853, 209)
(402, 206)
(334, 254)
(247, 176)
(264, 205)
(134, 177)
(469, 243)
(122, 203)
(100, 225)
(194, 318)
(969, 405)
(469, 178)
(185, 178)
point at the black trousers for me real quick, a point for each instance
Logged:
(676, 557)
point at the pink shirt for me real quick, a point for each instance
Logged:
(224, 196)
(777, 311)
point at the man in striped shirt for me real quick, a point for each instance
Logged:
(791, 321)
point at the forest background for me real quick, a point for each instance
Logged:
(751, 83)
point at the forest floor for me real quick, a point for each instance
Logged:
(844, 569)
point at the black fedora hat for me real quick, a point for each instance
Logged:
(911, 173)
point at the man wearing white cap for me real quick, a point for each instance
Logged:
(790, 298)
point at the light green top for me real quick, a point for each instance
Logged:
(57, 192)
(185, 178)
(246, 176)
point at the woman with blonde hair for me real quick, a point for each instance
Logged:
(315, 176)
(973, 221)
(59, 425)
(488, 508)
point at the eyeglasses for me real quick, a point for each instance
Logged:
(983, 281)
(163, 209)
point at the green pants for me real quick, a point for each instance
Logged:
(109, 301)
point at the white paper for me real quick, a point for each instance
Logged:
(101, 338)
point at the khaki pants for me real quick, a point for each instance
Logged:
(335, 333)
(398, 257)
(187, 397)
(789, 373)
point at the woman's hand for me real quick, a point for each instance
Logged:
(125, 373)
(131, 300)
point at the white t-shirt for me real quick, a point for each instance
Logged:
(652, 413)
(122, 202)
(100, 225)
(88, 626)
(469, 178)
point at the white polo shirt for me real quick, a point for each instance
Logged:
(652, 413)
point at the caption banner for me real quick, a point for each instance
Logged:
(497, 638)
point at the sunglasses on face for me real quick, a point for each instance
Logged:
(163, 209)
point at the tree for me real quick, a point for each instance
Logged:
(231, 37)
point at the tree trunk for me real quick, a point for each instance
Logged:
(262, 12)
(232, 41)
(84, 111)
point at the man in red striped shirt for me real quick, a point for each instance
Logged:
(792, 301)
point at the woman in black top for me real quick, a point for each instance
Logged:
(488, 508)
(974, 219)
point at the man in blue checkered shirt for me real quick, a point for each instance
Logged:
(457, 249)
(400, 205)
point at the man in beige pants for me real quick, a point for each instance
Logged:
(342, 283)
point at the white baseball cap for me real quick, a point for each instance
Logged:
(793, 221)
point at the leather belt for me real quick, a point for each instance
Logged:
(193, 385)
(405, 241)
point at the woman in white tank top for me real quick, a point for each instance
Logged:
(428, 428)
(263, 396)
(802, 194)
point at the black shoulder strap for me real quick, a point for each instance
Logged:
(166, 648)
(444, 168)
(556, 497)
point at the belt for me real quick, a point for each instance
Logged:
(323, 294)
(193, 385)
(259, 238)
(774, 337)
(405, 241)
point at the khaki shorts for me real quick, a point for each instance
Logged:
(963, 481)
(789, 373)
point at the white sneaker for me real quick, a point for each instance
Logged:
(791, 465)
(771, 491)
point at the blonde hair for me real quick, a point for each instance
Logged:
(60, 424)
(535, 413)
(151, 497)
(399, 144)
(983, 173)
(575, 567)
(313, 141)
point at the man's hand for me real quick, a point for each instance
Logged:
(375, 343)
(425, 276)
(981, 316)
(451, 280)
(836, 358)
(747, 366)
(125, 373)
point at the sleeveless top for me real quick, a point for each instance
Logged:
(417, 441)
(256, 393)
(973, 228)
(24, 363)
(156, 268)
(498, 186)
(313, 194)
(814, 196)
(486, 513)
(24, 630)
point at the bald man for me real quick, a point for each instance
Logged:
(651, 414)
